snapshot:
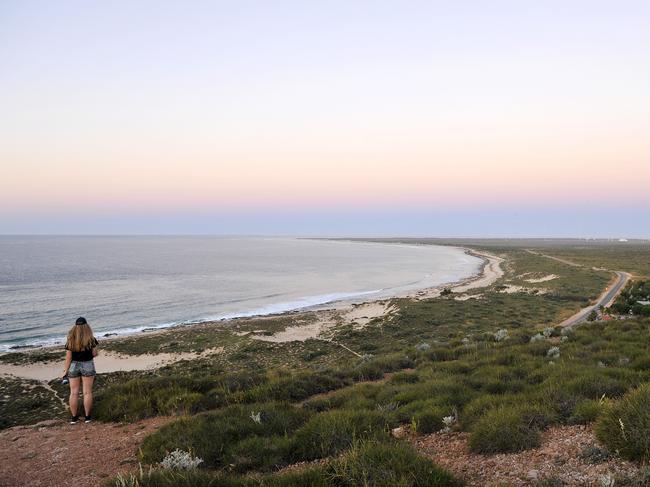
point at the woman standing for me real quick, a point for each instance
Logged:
(81, 349)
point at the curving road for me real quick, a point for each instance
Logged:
(605, 299)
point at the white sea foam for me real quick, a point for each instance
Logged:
(276, 308)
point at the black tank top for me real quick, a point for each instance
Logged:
(86, 354)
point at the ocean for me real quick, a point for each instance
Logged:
(127, 284)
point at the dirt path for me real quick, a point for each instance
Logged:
(558, 259)
(57, 454)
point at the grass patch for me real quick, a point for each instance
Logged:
(624, 426)
(332, 432)
(217, 436)
(32, 357)
(507, 429)
(146, 397)
(27, 402)
(388, 465)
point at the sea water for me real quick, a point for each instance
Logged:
(128, 284)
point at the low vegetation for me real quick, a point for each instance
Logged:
(25, 402)
(371, 463)
(240, 437)
(506, 429)
(633, 300)
(624, 427)
(32, 357)
(495, 366)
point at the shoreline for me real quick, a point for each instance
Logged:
(285, 303)
(328, 315)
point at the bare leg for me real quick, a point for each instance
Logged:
(88, 393)
(75, 384)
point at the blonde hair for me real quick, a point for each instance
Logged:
(80, 337)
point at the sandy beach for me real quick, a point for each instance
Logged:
(359, 314)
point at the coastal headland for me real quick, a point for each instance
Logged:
(438, 374)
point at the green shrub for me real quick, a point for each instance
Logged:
(447, 390)
(595, 383)
(147, 397)
(497, 379)
(332, 432)
(375, 368)
(569, 385)
(358, 396)
(259, 453)
(371, 464)
(387, 465)
(641, 363)
(310, 477)
(504, 430)
(295, 387)
(175, 478)
(404, 378)
(215, 436)
(624, 425)
(429, 421)
(586, 412)
(561, 401)
(425, 415)
(477, 408)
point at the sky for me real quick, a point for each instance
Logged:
(463, 118)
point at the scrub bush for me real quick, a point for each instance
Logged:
(377, 464)
(445, 390)
(477, 408)
(332, 432)
(295, 387)
(387, 465)
(214, 436)
(429, 421)
(586, 412)
(260, 453)
(504, 430)
(146, 397)
(624, 426)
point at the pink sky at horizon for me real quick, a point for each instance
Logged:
(226, 108)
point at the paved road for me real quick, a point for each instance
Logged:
(606, 299)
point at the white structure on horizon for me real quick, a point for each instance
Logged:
(622, 240)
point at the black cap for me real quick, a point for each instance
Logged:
(81, 321)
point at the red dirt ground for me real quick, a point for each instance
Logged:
(57, 454)
(557, 458)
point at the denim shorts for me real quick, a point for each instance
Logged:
(87, 369)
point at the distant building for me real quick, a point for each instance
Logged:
(622, 240)
(644, 303)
